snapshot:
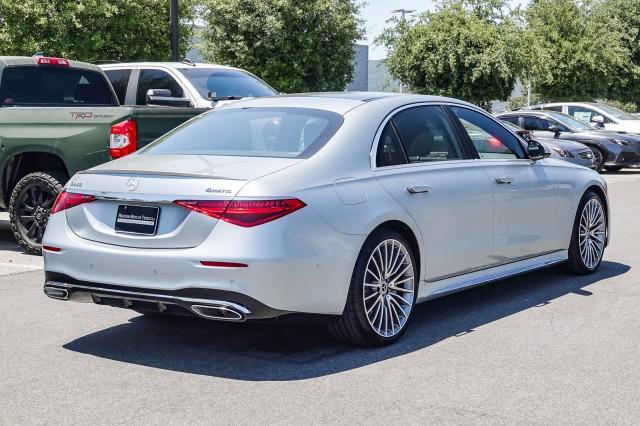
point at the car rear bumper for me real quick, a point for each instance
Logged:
(206, 303)
(297, 264)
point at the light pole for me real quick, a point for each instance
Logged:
(173, 15)
(403, 12)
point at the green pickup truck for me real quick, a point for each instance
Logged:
(58, 117)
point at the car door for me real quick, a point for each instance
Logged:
(151, 78)
(423, 165)
(526, 197)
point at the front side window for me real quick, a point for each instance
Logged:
(156, 79)
(536, 123)
(222, 83)
(491, 140)
(252, 132)
(426, 135)
(586, 114)
(52, 86)
(119, 80)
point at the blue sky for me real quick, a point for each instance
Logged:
(376, 12)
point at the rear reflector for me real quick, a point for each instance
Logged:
(124, 139)
(66, 200)
(245, 213)
(56, 62)
(51, 248)
(223, 264)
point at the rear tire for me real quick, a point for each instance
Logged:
(31, 201)
(589, 235)
(382, 293)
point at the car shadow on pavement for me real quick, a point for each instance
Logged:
(278, 352)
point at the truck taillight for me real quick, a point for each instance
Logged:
(66, 200)
(124, 139)
(56, 62)
(245, 213)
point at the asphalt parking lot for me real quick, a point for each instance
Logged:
(542, 348)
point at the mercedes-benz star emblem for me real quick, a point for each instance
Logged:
(132, 183)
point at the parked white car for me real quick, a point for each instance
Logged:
(182, 84)
(356, 206)
(597, 114)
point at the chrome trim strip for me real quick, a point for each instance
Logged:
(493, 265)
(134, 294)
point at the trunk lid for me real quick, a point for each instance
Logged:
(150, 182)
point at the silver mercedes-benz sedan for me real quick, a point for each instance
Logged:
(353, 206)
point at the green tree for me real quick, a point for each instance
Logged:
(625, 14)
(468, 49)
(575, 52)
(90, 30)
(296, 46)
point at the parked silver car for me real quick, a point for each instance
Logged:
(355, 206)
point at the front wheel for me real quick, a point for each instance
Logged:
(382, 294)
(589, 235)
(29, 207)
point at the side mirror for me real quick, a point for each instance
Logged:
(555, 129)
(598, 120)
(163, 97)
(537, 151)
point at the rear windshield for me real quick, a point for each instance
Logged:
(221, 83)
(51, 86)
(253, 132)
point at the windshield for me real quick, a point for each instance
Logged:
(253, 132)
(617, 113)
(224, 83)
(569, 121)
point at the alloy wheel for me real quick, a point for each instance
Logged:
(33, 211)
(592, 233)
(388, 287)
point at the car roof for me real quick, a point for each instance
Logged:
(341, 102)
(526, 112)
(6, 61)
(176, 65)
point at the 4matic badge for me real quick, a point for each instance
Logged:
(218, 191)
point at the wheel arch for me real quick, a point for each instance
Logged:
(21, 164)
(408, 233)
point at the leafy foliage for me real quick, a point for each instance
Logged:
(90, 30)
(625, 14)
(296, 46)
(575, 50)
(466, 49)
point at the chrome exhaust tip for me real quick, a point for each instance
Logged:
(218, 312)
(57, 293)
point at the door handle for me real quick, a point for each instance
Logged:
(503, 180)
(418, 189)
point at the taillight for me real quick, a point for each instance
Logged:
(66, 200)
(124, 139)
(56, 62)
(245, 213)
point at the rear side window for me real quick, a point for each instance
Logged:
(513, 119)
(119, 80)
(253, 132)
(426, 135)
(51, 86)
(491, 140)
(156, 79)
(390, 151)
